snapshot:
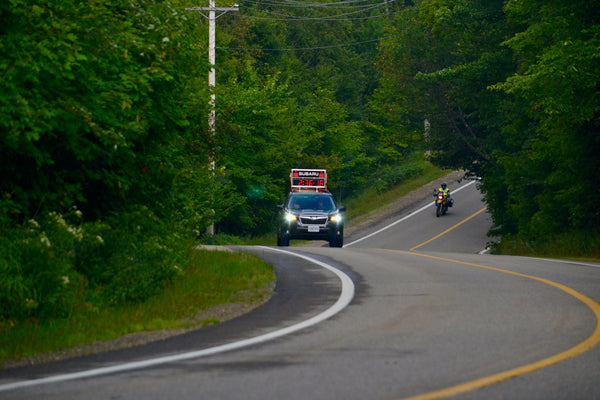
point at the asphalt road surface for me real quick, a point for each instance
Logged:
(410, 308)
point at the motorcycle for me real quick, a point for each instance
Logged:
(441, 204)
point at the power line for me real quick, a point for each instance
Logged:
(308, 6)
(357, 7)
(313, 19)
(336, 5)
(305, 3)
(306, 48)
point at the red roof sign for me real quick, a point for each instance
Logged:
(308, 179)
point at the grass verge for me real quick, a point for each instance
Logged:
(372, 199)
(211, 278)
(576, 246)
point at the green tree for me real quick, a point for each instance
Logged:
(254, 147)
(100, 104)
(556, 133)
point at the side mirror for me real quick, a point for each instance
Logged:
(280, 206)
(342, 208)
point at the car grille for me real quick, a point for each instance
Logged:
(313, 220)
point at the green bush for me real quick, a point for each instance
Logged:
(130, 258)
(393, 176)
(50, 264)
(36, 274)
(567, 245)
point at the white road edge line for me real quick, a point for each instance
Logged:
(571, 262)
(346, 296)
(404, 218)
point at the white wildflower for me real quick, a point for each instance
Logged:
(33, 223)
(165, 39)
(65, 280)
(44, 239)
(99, 239)
(59, 219)
(76, 232)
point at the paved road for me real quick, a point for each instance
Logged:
(432, 322)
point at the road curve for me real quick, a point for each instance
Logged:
(430, 318)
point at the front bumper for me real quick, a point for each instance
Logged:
(313, 231)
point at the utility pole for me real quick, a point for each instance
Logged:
(212, 115)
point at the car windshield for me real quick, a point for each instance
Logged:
(311, 202)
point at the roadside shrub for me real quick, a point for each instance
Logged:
(55, 263)
(36, 274)
(567, 245)
(393, 176)
(221, 239)
(140, 269)
(130, 257)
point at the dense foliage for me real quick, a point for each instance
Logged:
(510, 92)
(103, 123)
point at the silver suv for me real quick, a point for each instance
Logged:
(310, 216)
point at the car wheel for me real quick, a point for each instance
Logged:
(284, 241)
(337, 241)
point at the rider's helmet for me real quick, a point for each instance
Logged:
(444, 185)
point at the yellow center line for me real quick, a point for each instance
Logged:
(450, 229)
(582, 347)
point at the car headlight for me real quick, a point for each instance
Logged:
(289, 217)
(336, 218)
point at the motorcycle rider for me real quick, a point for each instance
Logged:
(446, 191)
